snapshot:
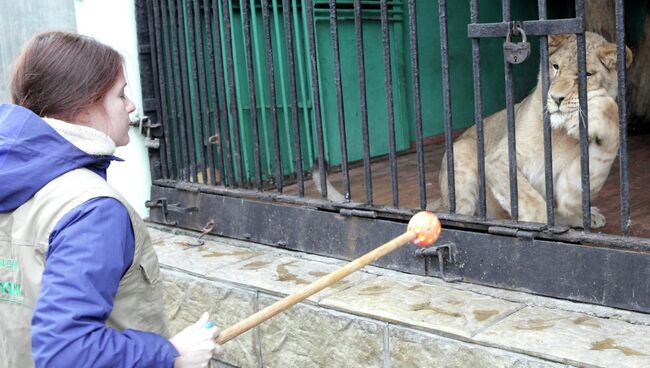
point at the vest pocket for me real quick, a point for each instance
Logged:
(150, 268)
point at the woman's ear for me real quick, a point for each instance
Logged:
(607, 54)
(84, 117)
(556, 41)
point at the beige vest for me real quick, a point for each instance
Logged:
(24, 240)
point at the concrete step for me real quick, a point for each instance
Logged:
(382, 318)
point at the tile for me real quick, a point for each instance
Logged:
(574, 338)
(436, 308)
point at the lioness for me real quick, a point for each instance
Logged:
(563, 109)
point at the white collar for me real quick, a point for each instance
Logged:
(87, 139)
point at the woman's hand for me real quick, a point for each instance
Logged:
(196, 344)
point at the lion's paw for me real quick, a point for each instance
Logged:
(597, 218)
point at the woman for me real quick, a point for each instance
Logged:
(80, 284)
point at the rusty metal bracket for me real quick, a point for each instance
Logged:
(167, 207)
(439, 251)
(163, 205)
(204, 231)
(145, 122)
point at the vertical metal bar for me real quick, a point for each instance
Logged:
(187, 42)
(232, 85)
(212, 104)
(339, 99)
(301, 56)
(415, 65)
(388, 85)
(316, 97)
(361, 65)
(172, 72)
(478, 114)
(185, 115)
(224, 125)
(446, 99)
(548, 151)
(196, 40)
(288, 29)
(622, 116)
(153, 10)
(274, 108)
(512, 146)
(584, 123)
(248, 51)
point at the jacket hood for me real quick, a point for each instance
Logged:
(32, 153)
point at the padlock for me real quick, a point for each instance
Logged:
(516, 52)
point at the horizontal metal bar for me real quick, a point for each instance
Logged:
(530, 27)
(450, 221)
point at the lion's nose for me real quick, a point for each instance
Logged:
(558, 99)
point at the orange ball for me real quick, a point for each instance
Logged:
(426, 227)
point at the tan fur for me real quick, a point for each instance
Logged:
(603, 133)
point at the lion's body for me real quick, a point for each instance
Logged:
(603, 147)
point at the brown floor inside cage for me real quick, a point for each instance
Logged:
(608, 200)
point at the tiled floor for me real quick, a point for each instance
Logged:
(608, 200)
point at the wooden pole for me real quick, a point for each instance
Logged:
(311, 289)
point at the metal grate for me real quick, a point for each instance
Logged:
(254, 94)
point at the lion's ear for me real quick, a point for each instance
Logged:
(607, 55)
(556, 41)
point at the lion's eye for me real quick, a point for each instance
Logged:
(589, 74)
(556, 67)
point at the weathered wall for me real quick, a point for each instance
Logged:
(601, 19)
(19, 20)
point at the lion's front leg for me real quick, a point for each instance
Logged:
(532, 206)
(568, 189)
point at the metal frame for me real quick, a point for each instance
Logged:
(540, 258)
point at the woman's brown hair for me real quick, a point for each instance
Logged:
(60, 74)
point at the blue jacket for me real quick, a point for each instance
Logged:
(90, 249)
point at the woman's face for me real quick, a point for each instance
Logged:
(111, 114)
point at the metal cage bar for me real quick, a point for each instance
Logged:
(160, 84)
(584, 123)
(295, 120)
(316, 97)
(548, 150)
(622, 115)
(339, 98)
(417, 106)
(224, 126)
(248, 51)
(446, 101)
(232, 89)
(510, 112)
(361, 65)
(198, 71)
(388, 83)
(478, 114)
(213, 119)
(270, 69)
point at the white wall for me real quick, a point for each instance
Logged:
(113, 23)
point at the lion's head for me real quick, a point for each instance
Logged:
(563, 101)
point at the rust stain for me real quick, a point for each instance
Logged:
(318, 274)
(429, 307)
(586, 321)
(240, 254)
(415, 287)
(611, 344)
(254, 265)
(484, 314)
(536, 324)
(285, 275)
(373, 290)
